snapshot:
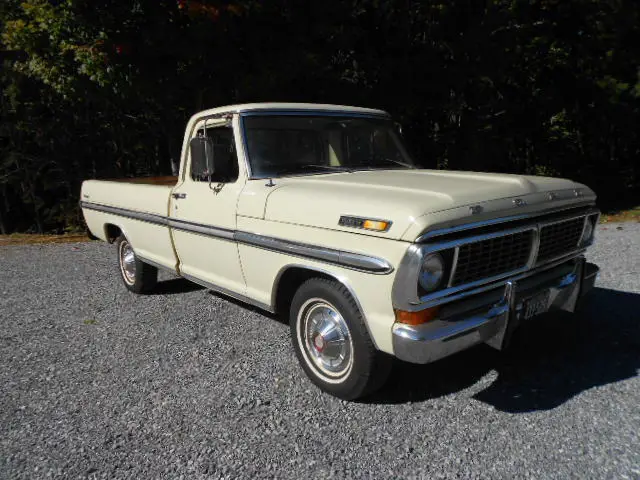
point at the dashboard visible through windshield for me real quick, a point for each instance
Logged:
(281, 145)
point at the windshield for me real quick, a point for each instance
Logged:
(301, 145)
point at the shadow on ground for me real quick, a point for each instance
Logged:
(550, 360)
(174, 286)
(283, 319)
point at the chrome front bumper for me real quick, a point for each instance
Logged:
(491, 317)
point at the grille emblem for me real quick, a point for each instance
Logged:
(552, 196)
(475, 209)
(518, 202)
(578, 193)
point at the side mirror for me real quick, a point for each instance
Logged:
(202, 163)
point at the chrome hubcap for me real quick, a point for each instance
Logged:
(326, 338)
(127, 262)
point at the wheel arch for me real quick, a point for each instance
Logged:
(112, 232)
(289, 279)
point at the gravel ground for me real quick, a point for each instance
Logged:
(100, 383)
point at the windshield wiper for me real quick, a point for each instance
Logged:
(397, 162)
(295, 169)
(327, 167)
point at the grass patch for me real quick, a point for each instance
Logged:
(630, 215)
(34, 239)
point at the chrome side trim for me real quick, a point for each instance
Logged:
(124, 212)
(207, 230)
(287, 247)
(496, 221)
(354, 261)
(365, 263)
(229, 293)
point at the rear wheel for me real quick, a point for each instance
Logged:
(332, 343)
(137, 276)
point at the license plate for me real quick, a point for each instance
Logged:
(536, 305)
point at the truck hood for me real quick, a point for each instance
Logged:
(416, 200)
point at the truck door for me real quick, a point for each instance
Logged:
(203, 215)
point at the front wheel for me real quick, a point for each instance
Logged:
(332, 343)
(137, 276)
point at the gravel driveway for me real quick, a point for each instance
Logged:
(98, 382)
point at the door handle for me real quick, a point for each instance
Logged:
(179, 195)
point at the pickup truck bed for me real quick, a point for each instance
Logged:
(165, 181)
(148, 198)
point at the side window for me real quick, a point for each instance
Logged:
(225, 158)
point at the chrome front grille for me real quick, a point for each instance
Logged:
(559, 238)
(491, 257)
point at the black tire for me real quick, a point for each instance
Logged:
(143, 277)
(367, 369)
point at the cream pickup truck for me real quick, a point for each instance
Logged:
(318, 212)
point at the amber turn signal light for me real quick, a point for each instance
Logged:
(376, 225)
(366, 223)
(416, 318)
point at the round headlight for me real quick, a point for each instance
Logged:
(587, 234)
(432, 272)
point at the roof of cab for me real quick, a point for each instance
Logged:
(248, 107)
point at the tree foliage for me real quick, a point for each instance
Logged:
(98, 89)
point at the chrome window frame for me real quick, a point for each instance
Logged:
(405, 291)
